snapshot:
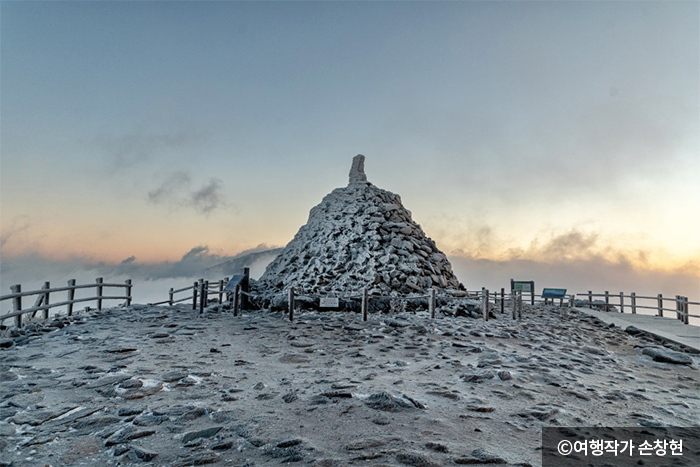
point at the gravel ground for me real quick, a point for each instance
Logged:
(166, 386)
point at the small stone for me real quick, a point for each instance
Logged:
(662, 355)
(479, 456)
(194, 414)
(174, 376)
(289, 443)
(128, 411)
(222, 446)
(205, 433)
(415, 460)
(140, 454)
(127, 434)
(504, 375)
(437, 447)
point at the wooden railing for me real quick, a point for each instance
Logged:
(681, 307)
(44, 304)
(199, 293)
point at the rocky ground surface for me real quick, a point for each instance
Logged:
(166, 386)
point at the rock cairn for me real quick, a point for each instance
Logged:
(360, 236)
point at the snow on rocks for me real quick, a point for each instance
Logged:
(360, 236)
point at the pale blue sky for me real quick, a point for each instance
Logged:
(148, 128)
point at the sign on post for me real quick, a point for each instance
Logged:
(524, 286)
(328, 302)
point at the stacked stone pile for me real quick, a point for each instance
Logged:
(360, 236)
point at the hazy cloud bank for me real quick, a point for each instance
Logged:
(578, 261)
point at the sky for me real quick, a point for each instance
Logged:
(548, 140)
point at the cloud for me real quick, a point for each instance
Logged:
(208, 198)
(576, 260)
(18, 225)
(134, 148)
(169, 191)
(174, 192)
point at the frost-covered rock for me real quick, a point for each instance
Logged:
(359, 236)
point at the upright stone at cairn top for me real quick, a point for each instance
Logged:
(357, 171)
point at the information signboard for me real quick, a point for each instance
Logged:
(329, 302)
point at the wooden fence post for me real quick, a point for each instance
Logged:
(660, 305)
(221, 291)
(128, 292)
(365, 304)
(485, 303)
(622, 302)
(634, 303)
(99, 281)
(194, 295)
(512, 301)
(291, 304)
(607, 301)
(686, 318)
(71, 296)
(245, 288)
(590, 299)
(520, 305)
(236, 299)
(170, 296)
(17, 304)
(678, 307)
(202, 298)
(45, 314)
(503, 300)
(40, 299)
(431, 303)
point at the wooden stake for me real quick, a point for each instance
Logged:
(194, 295)
(128, 292)
(202, 298)
(99, 281)
(236, 299)
(607, 301)
(71, 296)
(634, 303)
(660, 305)
(503, 300)
(431, 303)
(622, 302)
(291, 304)
(17, 304)
(45, 314)
(365, 304)
(170, 296)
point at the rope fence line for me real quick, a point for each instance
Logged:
(44, 304)
(233, 298)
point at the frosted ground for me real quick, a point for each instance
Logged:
(167, 386)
